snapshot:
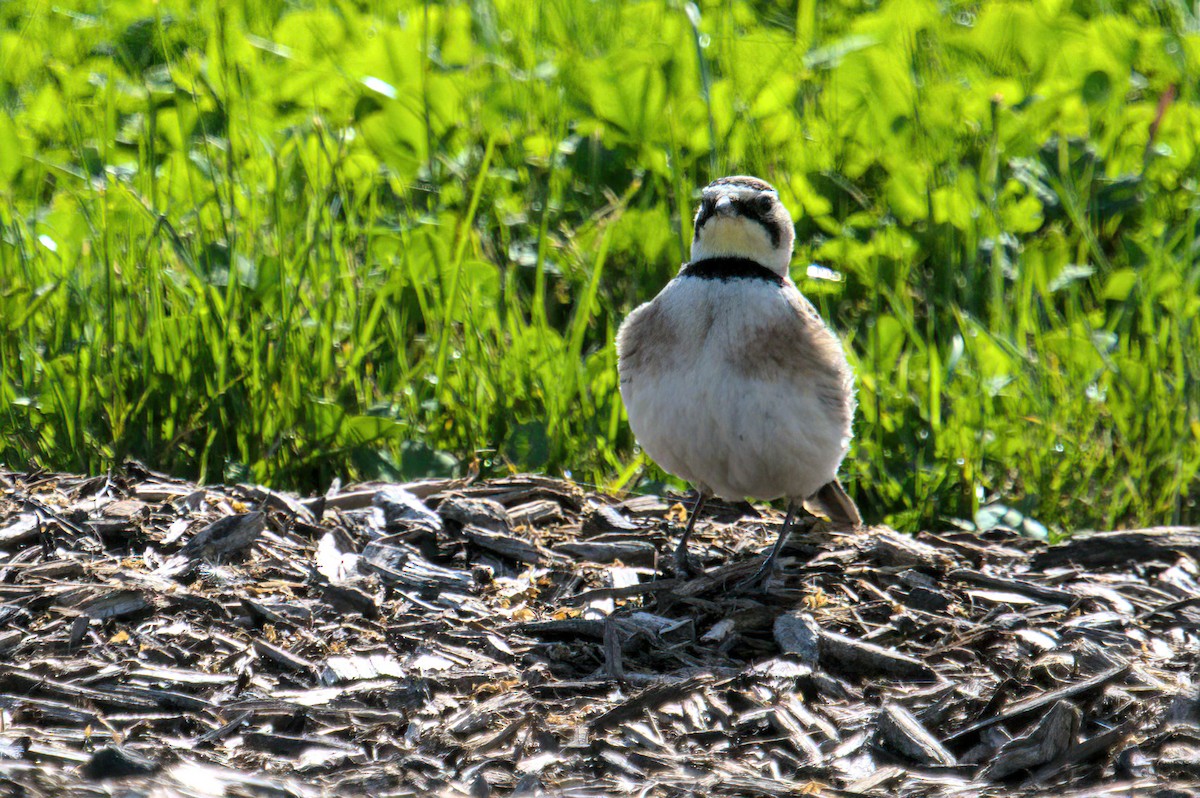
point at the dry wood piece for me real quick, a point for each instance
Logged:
(535, 513)
(113, 604)
(1036, 702)
(512, 637)
(272, 500)
(394, 560)
(362, 668)
(631, 552)
(284, 657)
(798, 632)
(622, 592)
(1085, 751)
(472, 511)
(899, 731)
(1018, 586)
(505, 545)
(650, 698)
(865, 659)
(18, 529)
(9, 640)
(891, 549)
(1100, 549)
(1048, 740)
(403, 511)
(14, 748)
(225, 536)
(601, 519)
(348, 598)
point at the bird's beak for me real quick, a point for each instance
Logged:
(724, 206)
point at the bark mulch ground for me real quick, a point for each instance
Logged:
(513, 637)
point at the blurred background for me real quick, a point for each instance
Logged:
(289, 242)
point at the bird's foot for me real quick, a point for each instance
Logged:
(683, 565)
(755, 582)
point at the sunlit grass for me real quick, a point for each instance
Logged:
(293, 242)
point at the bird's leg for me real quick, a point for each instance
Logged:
(682, 567)
(768, 566)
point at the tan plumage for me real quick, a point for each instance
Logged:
(731, 379)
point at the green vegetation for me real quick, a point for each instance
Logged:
(289, 241)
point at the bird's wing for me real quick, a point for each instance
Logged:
(646, 337)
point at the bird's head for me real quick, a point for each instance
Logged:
(742, 217)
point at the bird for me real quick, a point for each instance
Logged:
(730, 378)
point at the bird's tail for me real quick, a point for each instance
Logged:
(833, 502)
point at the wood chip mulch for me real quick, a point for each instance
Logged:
(516, 637)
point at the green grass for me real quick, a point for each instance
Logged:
(289, 242)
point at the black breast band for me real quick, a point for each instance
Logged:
(729, 269)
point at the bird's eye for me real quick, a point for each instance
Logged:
(763, 202)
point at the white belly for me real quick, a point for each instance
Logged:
(737, 439)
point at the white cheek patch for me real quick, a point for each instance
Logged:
(737, 237)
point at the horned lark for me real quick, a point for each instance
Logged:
(730, 378)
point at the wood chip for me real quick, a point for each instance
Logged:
(1048, 740)
(228, 535)
(899, 731)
